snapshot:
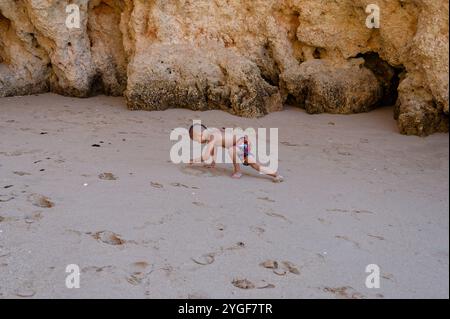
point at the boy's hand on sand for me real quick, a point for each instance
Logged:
(236, 175)
(194, 161)
(212, 165)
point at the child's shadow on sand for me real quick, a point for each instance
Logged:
(201, 171)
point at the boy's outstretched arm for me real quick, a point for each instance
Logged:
(207, 153)
(213, 154)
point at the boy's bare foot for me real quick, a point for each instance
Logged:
(209, 165)
(278, 179)
(236, 175)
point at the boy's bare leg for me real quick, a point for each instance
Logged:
(260, 169)
(237, 168)
(264, 170)
(213, 163)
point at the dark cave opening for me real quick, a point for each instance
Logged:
(97, 85)
(388, 75)
(292, 100)
(317, 53)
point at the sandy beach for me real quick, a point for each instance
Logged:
(88, 182)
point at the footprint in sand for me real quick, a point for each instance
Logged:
(344, 153)
(280, 269)
(40, 201)
(243, 284)
(136, 278)
(20, 173)
(156, 185)
(247, 284)
(346, 292)
(292, 268)
(4, 198)
(107, 176)
(376, 237)
(257, 230)
(179, 185)
(276, 215)
(139, 272)
(183, 186)
(140, 265)
(108, 237)
(355, 243)
(387, 276)
(34, 217)
(209, 258)
(199, 204)
(25, 292)
(269, 264)
(289, 144)
(267, 199)
(206, 259)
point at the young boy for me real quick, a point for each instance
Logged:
(237, 146)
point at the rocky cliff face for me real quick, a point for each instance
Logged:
(247, 57)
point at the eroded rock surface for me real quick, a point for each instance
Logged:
(247, 57)
(320, 87)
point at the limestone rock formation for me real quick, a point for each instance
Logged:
(247, 57)
(320, 87)
(211, 80)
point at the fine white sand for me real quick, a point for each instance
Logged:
(356, 193)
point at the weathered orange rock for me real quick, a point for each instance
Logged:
(247, 57)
